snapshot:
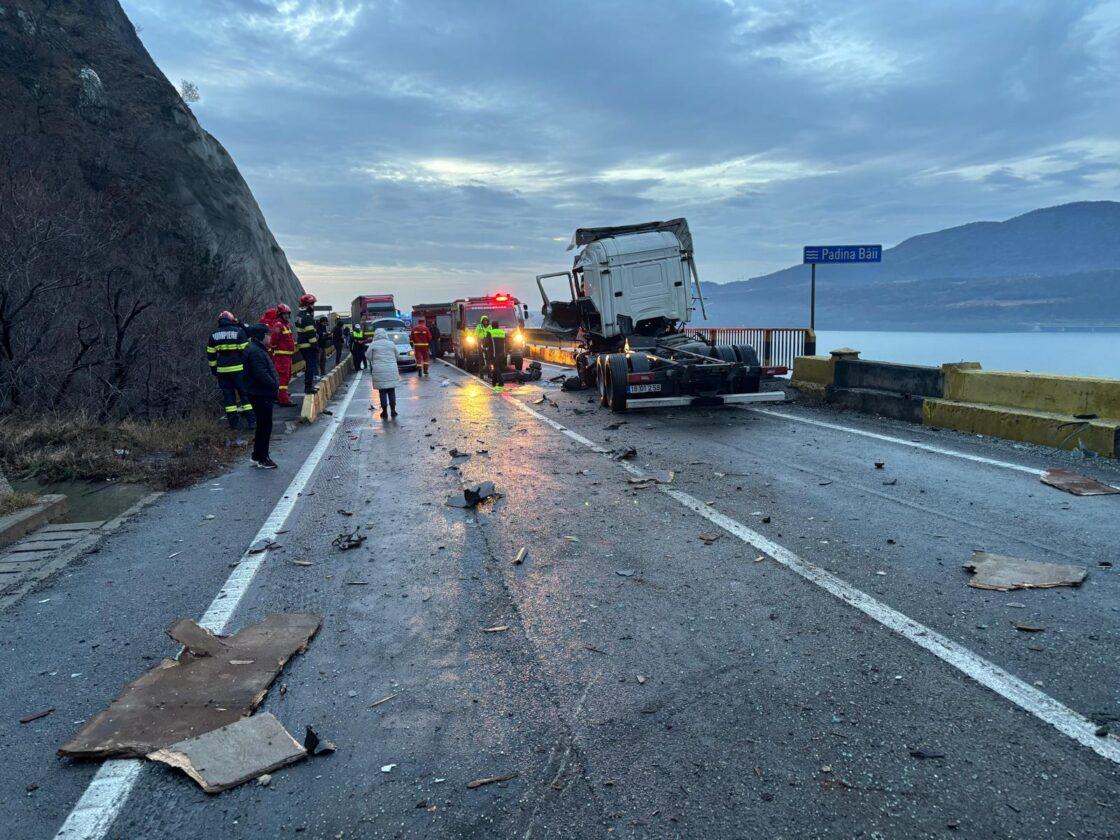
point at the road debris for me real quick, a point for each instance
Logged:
(614, 427)
(651, 479)
(345, 512)
(263, 545)
(570, 538)
(890, 482)
(349, 539)
(594, 649)
(471, 496)
(1028, 628)
(499, 628)
(708, 539)
(923, 754)
(455, 453)
(301, 562)
(37, 715)
(233, 754)
(316, 745)
(176, 699)
(387, 768)
(385, 699)
(624, 454)
(641, 680)
(880, 464)
(625, 572)
(489, 780)
(520, 558)
(1078, 485)
(995, 571)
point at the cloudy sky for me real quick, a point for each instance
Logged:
(437, 148)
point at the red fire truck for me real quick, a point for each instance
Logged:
(500, 308)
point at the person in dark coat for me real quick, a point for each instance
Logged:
(338, 341)
(262, 384)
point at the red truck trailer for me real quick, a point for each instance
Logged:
(440, 315)
(366, 309)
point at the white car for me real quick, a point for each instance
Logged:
(406, 358)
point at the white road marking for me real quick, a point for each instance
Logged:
(1028, 698)
(109, 789)
(952, 453)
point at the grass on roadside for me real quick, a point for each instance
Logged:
(11, 502)
(163, 454)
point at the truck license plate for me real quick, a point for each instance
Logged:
(644, 389)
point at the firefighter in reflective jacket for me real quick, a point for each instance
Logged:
(358, 342)
(283, 347)
(308, 342)
(482, 330)
(495, 344)
(225, 355)
(421, 340)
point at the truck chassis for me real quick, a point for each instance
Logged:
(674, 371)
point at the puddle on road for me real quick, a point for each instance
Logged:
(90, 501)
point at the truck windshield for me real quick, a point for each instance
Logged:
(504, 315)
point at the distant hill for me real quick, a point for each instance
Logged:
(1050, 268)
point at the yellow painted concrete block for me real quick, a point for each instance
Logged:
(813, 370)
(1035, 391)
(1030, 426)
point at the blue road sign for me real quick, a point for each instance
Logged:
(843, 254)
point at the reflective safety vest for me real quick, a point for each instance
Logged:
(420, 336)
(357, 334)
(482, 330)
(305, 330)
(226, 346)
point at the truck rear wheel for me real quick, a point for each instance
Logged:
(617, 380)
(725, 354)
(746, 354)
(601, 380)
(751, 383)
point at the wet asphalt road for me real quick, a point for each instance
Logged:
(649, 683)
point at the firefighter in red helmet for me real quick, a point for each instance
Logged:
(308, 342)
(283, 348)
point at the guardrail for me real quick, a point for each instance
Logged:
(776, 346)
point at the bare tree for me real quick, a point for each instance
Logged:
(189, 91)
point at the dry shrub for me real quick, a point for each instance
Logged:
(11, 502)
(164, 453)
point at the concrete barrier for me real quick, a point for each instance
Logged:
(313, 404)
(20, 523)
(555, 355)
(1066, 412)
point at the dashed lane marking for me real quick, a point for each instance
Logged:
(107, 793)
(1028, 698)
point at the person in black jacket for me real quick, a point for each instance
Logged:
(263, 384)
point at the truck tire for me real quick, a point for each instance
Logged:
(601, 380)
(618, 368)
(517, 362)
(639, 362)
(746, 355)
(725, 354)
(751, 383)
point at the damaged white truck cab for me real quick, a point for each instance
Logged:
(631, 291)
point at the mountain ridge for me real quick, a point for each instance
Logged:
(1050, 267)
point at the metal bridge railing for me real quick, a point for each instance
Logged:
(776, 346)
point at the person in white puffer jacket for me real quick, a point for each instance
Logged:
(382, 358)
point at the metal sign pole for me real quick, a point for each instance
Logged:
(813, 298)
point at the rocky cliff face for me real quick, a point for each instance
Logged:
(83, 104)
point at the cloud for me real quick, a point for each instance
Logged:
(437, 144)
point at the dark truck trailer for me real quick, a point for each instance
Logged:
(632, 290)
(440, 315)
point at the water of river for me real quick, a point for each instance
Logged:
(1080, 354)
